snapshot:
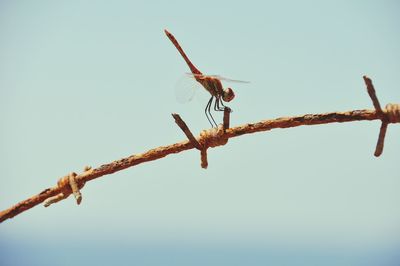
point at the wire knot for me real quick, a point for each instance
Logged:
(213, 137)
(68, 185)
(208, 138)
(392, 111)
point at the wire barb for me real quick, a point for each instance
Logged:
(391, 114)
(54, 199)
(372, 95)
(74, 187)
(227, 114)
(179, 121)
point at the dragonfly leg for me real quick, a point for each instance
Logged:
(216, 105)
(222, 103)
(207, 111)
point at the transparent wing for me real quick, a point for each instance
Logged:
(185, 89)
(229, 80)
(218, 77)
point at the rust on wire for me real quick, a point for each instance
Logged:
(72, 183)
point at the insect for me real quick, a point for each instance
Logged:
(212, 84)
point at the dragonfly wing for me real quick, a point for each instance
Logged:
(217, 77)
(185, 89)
(229, 80)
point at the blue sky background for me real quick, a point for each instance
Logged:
(89, 82)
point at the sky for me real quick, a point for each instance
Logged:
(90, 82)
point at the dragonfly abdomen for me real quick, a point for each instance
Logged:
(179, 48)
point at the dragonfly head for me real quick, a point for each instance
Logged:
(228, 95)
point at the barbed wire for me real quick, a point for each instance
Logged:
(211, 138)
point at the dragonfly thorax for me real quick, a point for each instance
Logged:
(214, 87)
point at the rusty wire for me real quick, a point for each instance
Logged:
(72, 183)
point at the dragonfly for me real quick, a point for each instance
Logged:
(211, 83)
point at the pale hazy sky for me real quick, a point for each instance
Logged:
(89, 82)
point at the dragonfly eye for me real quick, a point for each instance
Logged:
(228, 95)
